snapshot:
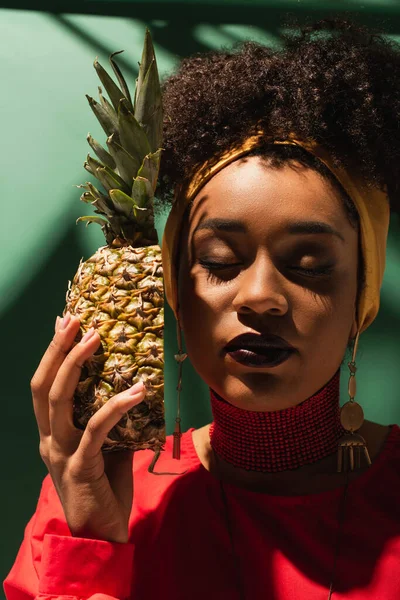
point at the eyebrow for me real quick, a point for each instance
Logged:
(313, 227)
(302, 227)
(222, 225)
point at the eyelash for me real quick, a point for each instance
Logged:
(210, 267)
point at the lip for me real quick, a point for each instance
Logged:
(258, 341)
(258, 360)
(259, 350)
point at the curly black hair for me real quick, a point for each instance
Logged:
(335, 82)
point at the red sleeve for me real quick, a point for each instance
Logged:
(52, 565)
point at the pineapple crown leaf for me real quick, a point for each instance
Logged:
(148, 107)
(103, 155)
(86, 197)
(132, 135)
(92, 219)
(103, 206)
(122, 202)
(93, 190)
(126, 164)
(92, 165)
(107, 120)
(150, 167)
(106, 104)
(148, 56)
(113, 91)
(140, 191)
(120, 77)
(110, 180)
(129, 167)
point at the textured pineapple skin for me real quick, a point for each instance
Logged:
(119, 292)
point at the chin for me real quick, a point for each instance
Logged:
(260, 391)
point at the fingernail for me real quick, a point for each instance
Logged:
(66, 320)
(87, 335)
(57, 324)
(135, 389)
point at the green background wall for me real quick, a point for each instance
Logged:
(45, 71)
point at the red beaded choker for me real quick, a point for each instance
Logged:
(280, 440)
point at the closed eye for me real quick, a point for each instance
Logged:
(226, 271)
(208, 264)
(220, 272)
(315, 272)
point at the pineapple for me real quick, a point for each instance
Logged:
(119, 290)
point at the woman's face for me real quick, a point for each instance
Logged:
(257, 257)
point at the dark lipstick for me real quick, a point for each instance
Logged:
(259, 350)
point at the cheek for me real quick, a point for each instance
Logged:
(326, 320)
(201, 304)
(204, 310)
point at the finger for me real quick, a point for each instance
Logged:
(105, 419)
(64, 386)
(48, 368)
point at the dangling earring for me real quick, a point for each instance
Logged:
(176, 448)
(180, 357)
(351, 444)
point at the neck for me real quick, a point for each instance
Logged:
(272, 442)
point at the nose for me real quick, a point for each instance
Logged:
(261, 290)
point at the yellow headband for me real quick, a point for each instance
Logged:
(371, 203)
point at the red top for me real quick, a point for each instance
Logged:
(180, 546)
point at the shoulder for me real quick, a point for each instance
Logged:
(380, 438)
(383, 444)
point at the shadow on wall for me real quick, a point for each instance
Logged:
(27, 326)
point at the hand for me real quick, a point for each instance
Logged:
(95, 490)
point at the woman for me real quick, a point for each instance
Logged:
(282, 165)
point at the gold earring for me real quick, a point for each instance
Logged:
(180, 357)
(176, 448)
(352, 445)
